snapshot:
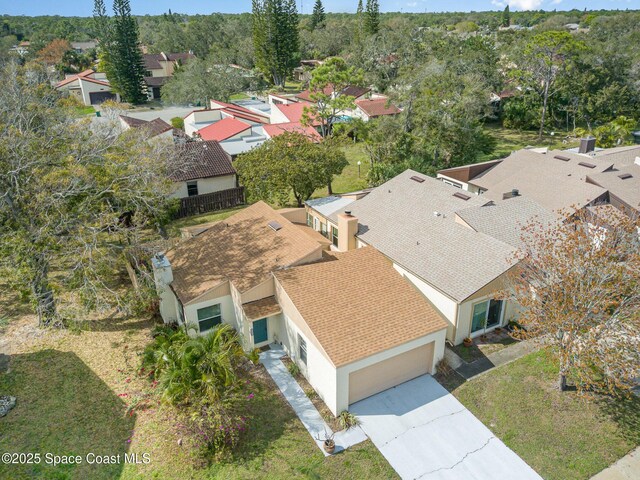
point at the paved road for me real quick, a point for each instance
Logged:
(426, 433)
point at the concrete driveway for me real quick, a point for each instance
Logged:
(426, 433)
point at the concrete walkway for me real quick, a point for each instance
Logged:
(627, 468)
(426, 433)
(306, 411)
(501, 357)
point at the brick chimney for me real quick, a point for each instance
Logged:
(347, 230)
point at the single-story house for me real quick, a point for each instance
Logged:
(157, 128)
(374, 107)
(412, 220)
(90, 87)
(348, 319)
(276, 129)
(228, 128)
(83, 47)
(201, 168)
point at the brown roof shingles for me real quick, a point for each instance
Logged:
(203, 159)
(262, 308)
(356, 304)
(242, 249)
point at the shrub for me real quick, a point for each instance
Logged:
(294, 369)
(311, 393)
(177, 122)
(443, 367)
(348, 420)
(254, 356)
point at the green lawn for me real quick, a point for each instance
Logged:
(88, 110)
(561, 435)
(74, 392)
(350, 180)
(239, 96)
(175, 226)
(508, 140)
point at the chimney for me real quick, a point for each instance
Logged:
(587, 145)
(163, 276)
(347, 230)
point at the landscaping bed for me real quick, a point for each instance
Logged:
(560, 434)
(484, 345)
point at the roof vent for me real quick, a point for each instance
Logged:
(275, 226)
(461, 196)
(587, 145)
(417, 179)
(347, 212)
(562, 157)
(624, 176)
(588, 165)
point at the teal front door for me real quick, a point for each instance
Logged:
(260, 331)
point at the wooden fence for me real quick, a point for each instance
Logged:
(210, 202)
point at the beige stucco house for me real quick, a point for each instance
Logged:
(89, 87)
(347, 318)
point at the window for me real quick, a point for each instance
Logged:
(486, 315)
(302, 349)
(453, 184)
(309, 220)
(209, 317)
(315, 223)
(192, 188)
(334, 236)
(323, 229)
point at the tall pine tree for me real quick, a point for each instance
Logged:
(275, 38)
(359, 23)
(372, 17)
(506, 17)
(121, 56)
(318, 17)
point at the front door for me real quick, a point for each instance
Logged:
(260, 331)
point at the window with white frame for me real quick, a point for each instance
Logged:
(209, 317)
(302, 349)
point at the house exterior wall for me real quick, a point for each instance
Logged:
(277, 116)
(319, 370)
(206, 185)
(200, 119)
(90, 87)
(260, 291)
(226, 307)
(444, 304)
(342, 388)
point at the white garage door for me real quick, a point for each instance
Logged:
(391, 372)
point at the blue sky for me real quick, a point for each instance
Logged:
(141, 7)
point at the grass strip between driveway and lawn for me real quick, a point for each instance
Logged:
(560, 434)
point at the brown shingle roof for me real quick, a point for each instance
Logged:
(156, 81)
(264, 307)
(203, 159)
(242, 249)
(357, 305)
(376, 107)
(155, 127)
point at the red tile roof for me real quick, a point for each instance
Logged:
(222, 130)
(293, 111)
(274, 130)
(233, 106)
(376, 107)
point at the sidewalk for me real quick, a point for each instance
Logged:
(501, 357)
(306, 411)
(627, 468)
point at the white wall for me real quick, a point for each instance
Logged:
(277, 116)
(445, 305)
(342, 402)
(206, 185)
(199, 119)
(226, 307)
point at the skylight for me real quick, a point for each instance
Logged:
(275, 226)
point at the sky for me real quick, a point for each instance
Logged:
(154, 7)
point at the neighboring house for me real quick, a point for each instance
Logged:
(274, 130)
(557, 180)
(159, 68)
(226, 129)
(156, 128)
(412, 219)
(374, 107)
(84, 47)
(202, 168)
(90, 87)
(287, 112)
(303, 72)
(356, 92)
(349, 320)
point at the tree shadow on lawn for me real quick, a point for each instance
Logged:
(62, 408)
(625, 412)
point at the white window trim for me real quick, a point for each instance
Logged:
(208, 318)
(484, 331)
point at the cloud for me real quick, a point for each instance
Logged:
(525, 4)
